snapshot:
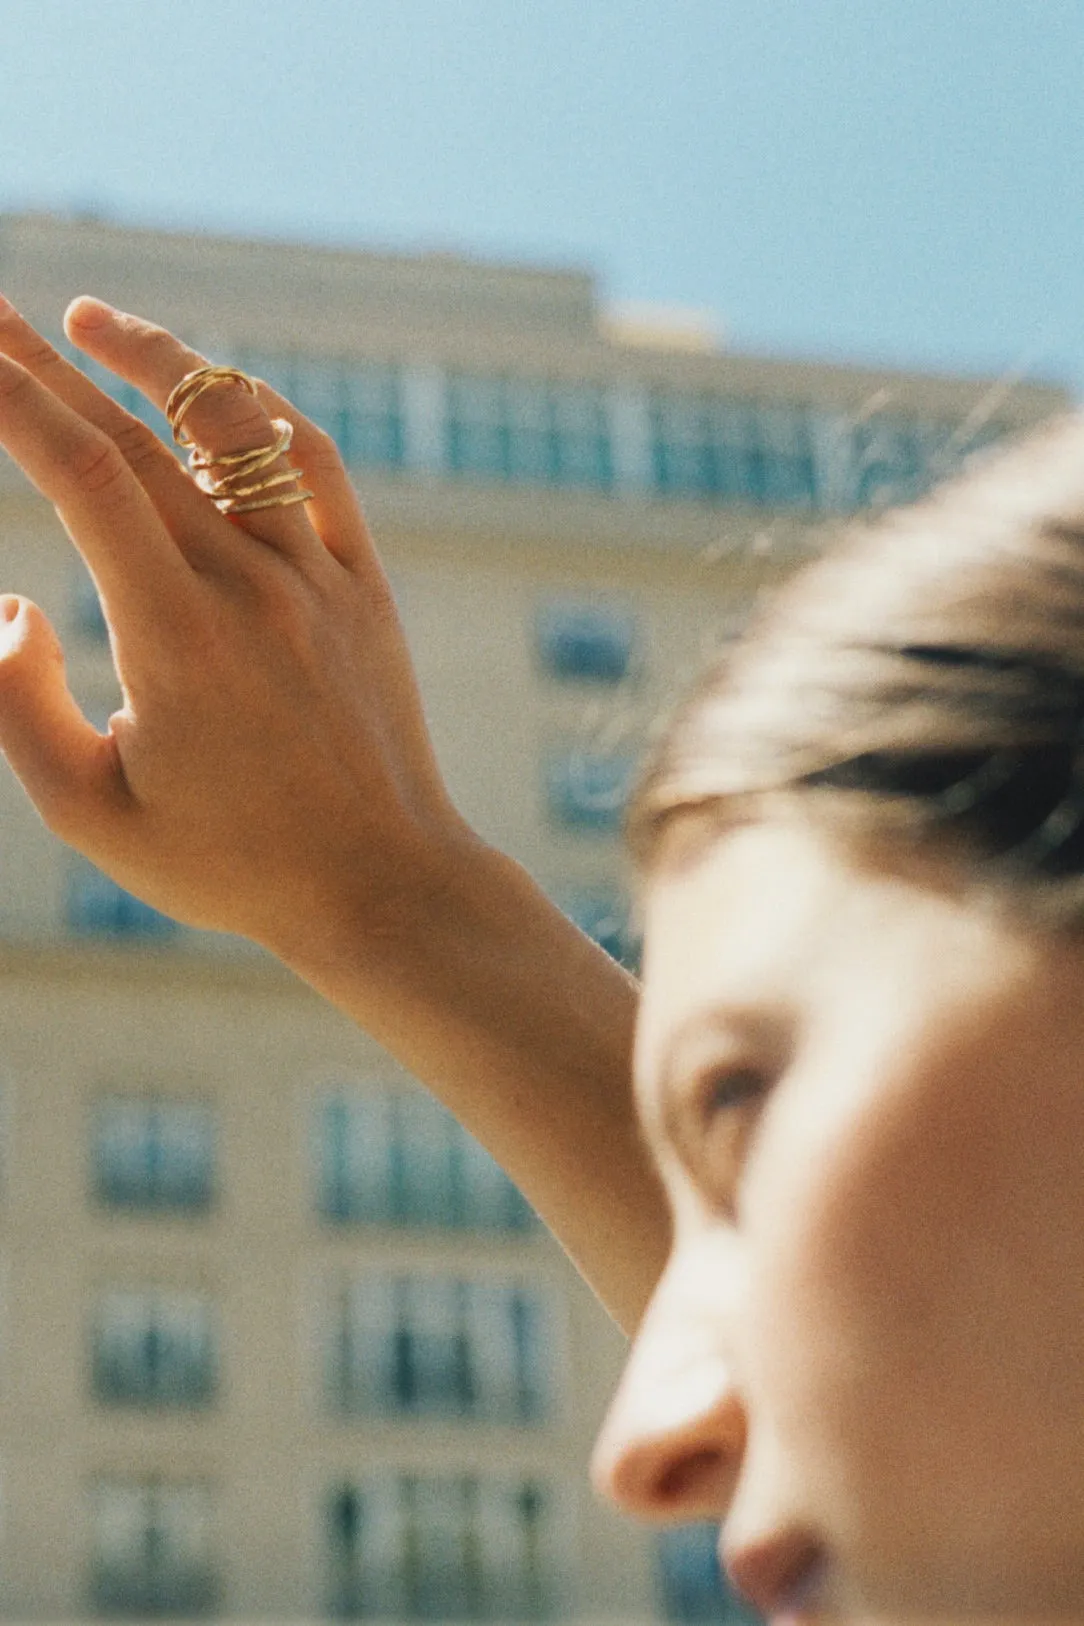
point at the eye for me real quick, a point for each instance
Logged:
(731, 1087)
(729, 1101)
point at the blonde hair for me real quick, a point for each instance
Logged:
(923, 680)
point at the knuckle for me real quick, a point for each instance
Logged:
(15, 385)
(244, 411)
(290, 616)
(97, 466)
(163, 353)
(36, 353)
(381, 604)
(157, 339)
(322, 454)
(137, 444)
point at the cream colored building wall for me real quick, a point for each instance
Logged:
(260, 1048)
(471, 565)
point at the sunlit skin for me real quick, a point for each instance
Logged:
(864, 1088)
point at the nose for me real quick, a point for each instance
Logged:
(672, 1445)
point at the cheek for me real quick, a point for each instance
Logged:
(901, 1315)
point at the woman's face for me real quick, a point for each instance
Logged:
(865, 1093)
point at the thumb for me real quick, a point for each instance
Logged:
(66, 767)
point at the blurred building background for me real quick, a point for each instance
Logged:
(277, 1339)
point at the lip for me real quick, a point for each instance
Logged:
(783, 1577)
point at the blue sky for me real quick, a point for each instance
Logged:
(876, 179)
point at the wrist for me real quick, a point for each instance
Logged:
(378, 927)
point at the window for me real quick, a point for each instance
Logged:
(883, 459)
(432, 1346)
(528, 430)
(692, 1585)
(892, 464)
(154, 1349)
(153, 1155)
(581, 643)
(97, 907)
(152, 1548)
(587, 790)
(604, 915)
(391, 1158)
(443, 1549)
(360, 404)
(715, 449)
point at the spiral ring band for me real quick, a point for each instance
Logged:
(226, 489)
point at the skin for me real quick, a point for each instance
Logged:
(864, 1089)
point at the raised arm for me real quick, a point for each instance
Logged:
(269, 773)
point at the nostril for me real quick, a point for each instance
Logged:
(693, 1473)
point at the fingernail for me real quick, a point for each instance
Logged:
(10, 629)
(90, 312)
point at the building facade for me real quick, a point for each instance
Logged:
(277, 1338)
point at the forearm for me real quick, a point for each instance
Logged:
(523, 1028)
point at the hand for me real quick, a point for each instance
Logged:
(269, 770)
(269, 773)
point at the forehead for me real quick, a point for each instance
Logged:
(777, 918)
(774, 916)
(729, 926)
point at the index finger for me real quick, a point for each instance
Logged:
(183, 508)
(228, 421)
(107, 513)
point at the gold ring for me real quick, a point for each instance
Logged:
(236, 460)
(236, 482)
(240, 465)
(217, 494)
(230, 507)
(191, 387)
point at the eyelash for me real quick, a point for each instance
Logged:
(729, 1101)
(733, 1087)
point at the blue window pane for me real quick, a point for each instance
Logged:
(587, 791)
(154, 1349)
(97, 907)
(426, 1346)
(152, 1545)
(604, 916)
(154, 1156)
(370, 439)
(527, 430)
(532, 1365)
(385, 1158)
(584, 644)
(788, 473)
(440, 1548)
(692, 1585)
(889, 465)
(712, 449)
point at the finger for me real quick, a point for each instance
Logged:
(184, 509)
(222, 421)
(69, 771)
(105, 509)
(335, 511)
